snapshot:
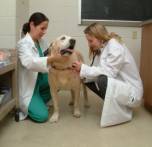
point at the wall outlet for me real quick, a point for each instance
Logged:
(134, 35)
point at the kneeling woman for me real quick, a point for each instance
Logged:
(34, 91)
(113, 75)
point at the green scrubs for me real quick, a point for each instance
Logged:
(37, 109)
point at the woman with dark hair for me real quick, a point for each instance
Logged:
(34, 91)
(113, 75)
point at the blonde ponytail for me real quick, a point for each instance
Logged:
(116, 36)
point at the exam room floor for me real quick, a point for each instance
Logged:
(78, 132)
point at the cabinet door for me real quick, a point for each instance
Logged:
(146, 64)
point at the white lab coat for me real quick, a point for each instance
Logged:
(28, 67)
(124, 88)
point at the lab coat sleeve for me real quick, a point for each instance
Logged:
(90, 72)
(31, 61)
(109, 65)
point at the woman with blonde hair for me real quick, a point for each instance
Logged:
(112, 75)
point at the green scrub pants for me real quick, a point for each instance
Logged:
(37, 109)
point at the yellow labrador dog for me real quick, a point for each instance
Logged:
(62, 77)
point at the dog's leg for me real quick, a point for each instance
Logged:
(76, 112)
(85, 94)
(71, 103)
(55, 116)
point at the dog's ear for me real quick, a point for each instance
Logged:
(51, 45)
(54, 47)
(50, 48)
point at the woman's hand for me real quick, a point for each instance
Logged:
(76, 66)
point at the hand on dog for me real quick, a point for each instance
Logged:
(76, 66)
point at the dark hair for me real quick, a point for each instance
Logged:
(36, 18)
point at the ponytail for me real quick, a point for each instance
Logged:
(116, 36)
(26, 28)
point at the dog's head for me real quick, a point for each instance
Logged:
(63, 44)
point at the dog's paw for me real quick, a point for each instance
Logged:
(54, 118)
(76, 113)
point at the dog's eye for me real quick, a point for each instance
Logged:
(63, 38)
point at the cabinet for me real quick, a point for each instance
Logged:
(146, 63)
(9, 72)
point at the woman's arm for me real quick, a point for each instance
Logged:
(86, 71)
(109, 65)
(31, 60)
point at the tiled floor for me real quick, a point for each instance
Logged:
(78, 132)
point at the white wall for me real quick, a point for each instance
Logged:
(22, 15)
(13, 13)
(7, 23)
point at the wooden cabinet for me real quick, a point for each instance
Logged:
(10, 73)
(146, 63)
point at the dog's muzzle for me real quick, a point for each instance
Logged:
(69, 50)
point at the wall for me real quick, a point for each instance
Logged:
(13, 13)
(22, 15)
(7, 23)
